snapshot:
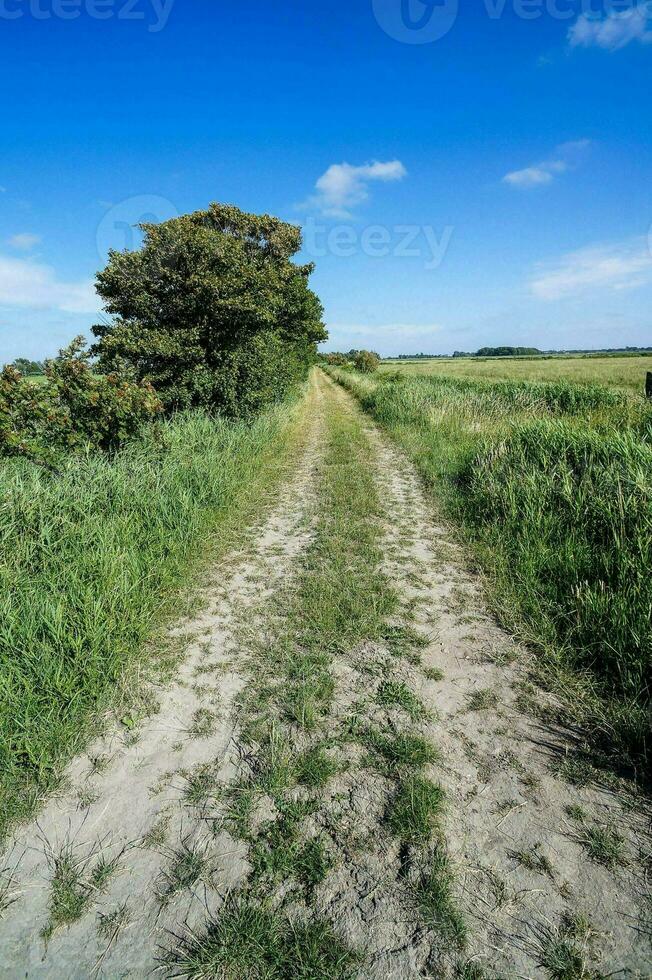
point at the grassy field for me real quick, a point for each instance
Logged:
(553, 484)
(621, 372)
(92, 559)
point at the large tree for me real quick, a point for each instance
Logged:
(211, 310)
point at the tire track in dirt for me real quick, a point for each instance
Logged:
(553, 877)
(123, 855)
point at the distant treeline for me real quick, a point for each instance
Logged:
(522, 352)
(27, 367)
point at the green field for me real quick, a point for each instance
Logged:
(618, 371)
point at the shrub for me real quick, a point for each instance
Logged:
(212, 311)
(366, 362)
(32, 424)
(73, 408)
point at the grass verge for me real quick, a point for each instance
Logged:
(553, 484)
(94, 558)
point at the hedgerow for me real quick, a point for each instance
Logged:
(75, 407)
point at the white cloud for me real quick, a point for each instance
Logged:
(25, 241)
(343, 186)
(615, 30)
(565, 158)
(621, 265)
(529, 177)
(26, 283)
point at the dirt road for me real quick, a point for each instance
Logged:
(346, 778)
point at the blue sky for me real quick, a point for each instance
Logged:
(489, 185)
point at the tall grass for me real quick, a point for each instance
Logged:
(90, 559)
(553, 483)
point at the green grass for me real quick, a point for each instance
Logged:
(75, 885)
(278, 853)
(482, 700)
(621, 372)
(90, 563)
(434, 894)
(603, 844)
(201, 785)
(248, 941)
(187, 864)
(533, 860)
(110, 924)
(403, 749)
(315, 767)
(413, 813)
(70, 894)
(552, 485)
(470, 970)
(396, 694)
(564, 950)
(562, 959)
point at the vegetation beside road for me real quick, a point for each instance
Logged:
(108, 496)
(553, 483)
(91, 561)
(211, 311)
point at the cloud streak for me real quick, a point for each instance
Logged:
(24, 242)
(343, 186)
(34, 285)
(614, 267)
(565, 158)
(614, 31)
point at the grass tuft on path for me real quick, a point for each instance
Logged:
(412, 816)
(249, 940)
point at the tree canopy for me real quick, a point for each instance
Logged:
(211, 310)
